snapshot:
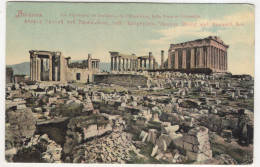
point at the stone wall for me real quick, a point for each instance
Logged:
(127, 80)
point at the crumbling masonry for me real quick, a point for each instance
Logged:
(52, 66)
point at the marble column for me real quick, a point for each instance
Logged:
(208, 57)
(131, 64)
(217, 59)
(150, 60)
(176, 61)
(201, 57)
(145, 63)
(138, 64)
(119, 64)
(169, 60)
(112, 64)
(116, 69)
(31, 78)
(38, 69)
(34, 68)
(50, 68)
(153, 64)
(126, 67)
(184, 59)
(162, 59)
(192, 58)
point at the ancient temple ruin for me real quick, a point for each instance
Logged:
(52, 66)
(210, 52)
(125, 62)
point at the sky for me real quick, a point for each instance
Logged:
(187, 22)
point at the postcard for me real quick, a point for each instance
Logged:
(129, 83)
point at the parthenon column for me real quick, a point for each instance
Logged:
(208, 57)
(192, 58)
(145, 63)
(138, 64)
(176, 62)
(119, 64)
(221, 60)
(112, 65)
(201, 57)
(184, 59)
(50, 68)
(215, 57)
(197, 55)
(211, 57)
(205, 57)
(218, 58)
(226, 61)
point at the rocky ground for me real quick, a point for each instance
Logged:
(175, 118)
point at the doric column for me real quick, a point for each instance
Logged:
(226, 61)
(162, 59)
(112, 64)
(201, 57)
(211, 57)
(208, 57)
(197, 55)
(119, 64)
(221, 59)
(176, 61)
(184, 59)
(192, 58)
(217, 58)
(150, 60)
(145, 63)
(50, 68)
(205, 57)
(169, 60)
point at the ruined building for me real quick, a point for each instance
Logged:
(210, 52)
(124, 62)
(52, 66)
(9, 75)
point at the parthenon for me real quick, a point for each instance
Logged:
(124, 62)
(210, 52)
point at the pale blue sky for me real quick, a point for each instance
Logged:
(77, 40)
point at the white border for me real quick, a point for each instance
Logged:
(2, 81)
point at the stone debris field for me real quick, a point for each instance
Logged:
(174, 118)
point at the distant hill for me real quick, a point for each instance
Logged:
(24, 68)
